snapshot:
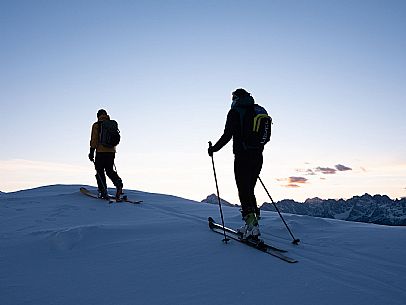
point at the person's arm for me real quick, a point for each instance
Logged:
(228, 131)
(94, 139)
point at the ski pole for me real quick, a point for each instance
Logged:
(295, 241)
(218, 197)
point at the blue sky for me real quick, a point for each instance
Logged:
(330, 73)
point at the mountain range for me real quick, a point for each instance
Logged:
(378, 209)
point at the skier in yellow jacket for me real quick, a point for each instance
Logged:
(104, 161)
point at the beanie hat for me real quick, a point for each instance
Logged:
(241, 93)
(101, 112)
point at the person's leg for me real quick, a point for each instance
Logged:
(112, 174)
(246, 172)
(100, 176)
(256, 161)
(242, 179)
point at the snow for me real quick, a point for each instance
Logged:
(58, 246)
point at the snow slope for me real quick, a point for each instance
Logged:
(59, 247)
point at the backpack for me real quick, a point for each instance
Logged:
(109, 134)
(255, 127)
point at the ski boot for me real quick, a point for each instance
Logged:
(103, 195)
(251, 228)
(119, 191)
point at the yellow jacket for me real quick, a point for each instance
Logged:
(94, 139)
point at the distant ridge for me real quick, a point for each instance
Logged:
(213, 199)
(377, 209)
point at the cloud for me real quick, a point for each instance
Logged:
(326, 170)
(297, 180)
(307, 172)
(342, 168)
(293, 181)
(323, 170)
(332, 171)
(292, 185)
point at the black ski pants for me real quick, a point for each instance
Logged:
(247, 167)
(104, 163)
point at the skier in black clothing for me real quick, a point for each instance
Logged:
(247, 161)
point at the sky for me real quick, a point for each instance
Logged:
(330, 73)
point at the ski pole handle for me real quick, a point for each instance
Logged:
(210, 151)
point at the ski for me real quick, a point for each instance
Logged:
(124, 198)
(88, 193)
(237, 234)
(111, 198)
(279, 253)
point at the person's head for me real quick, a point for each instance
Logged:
(241, 97)
(101, 112)
(240, 93)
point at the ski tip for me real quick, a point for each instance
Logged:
(211, 222)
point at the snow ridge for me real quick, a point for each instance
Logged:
(58, 246)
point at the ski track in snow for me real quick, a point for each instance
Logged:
(60, 247)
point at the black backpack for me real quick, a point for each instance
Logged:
(255, 127)
(109, 134)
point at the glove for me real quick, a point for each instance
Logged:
(91, 154)
(210, 150)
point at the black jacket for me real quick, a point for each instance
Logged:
(233, 130)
